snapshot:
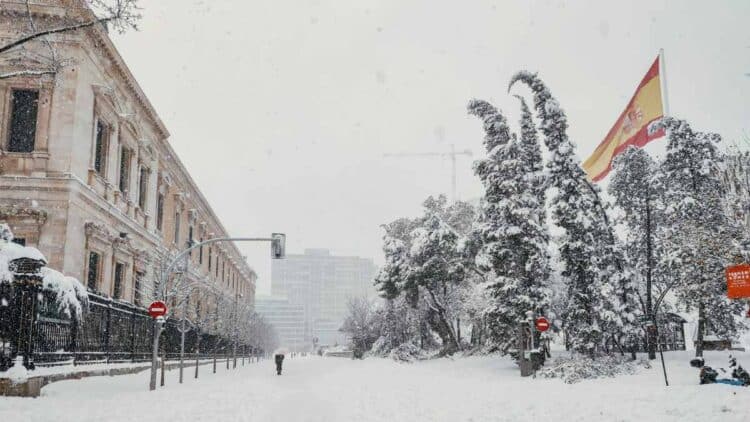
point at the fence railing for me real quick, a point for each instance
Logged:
(110, 331)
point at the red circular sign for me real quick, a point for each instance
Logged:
(542, 324)
(157, 309)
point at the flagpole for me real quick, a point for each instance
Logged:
(663, 77)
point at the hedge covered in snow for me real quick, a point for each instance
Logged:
(70, 295)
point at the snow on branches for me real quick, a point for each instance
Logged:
(599, 307)
(510, 227)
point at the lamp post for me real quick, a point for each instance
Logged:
(278, 251)
(234, 332)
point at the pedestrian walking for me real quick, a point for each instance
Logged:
(278, 357)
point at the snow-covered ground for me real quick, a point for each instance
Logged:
(335, 389)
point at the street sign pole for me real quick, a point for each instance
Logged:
(157, 310)
(158, 323)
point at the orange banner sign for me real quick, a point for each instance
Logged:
(738, 281)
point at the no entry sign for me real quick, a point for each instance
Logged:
(738, 281)
(157, 309)
(541, 324)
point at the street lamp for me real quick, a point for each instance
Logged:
(278, 251)
(234, 332)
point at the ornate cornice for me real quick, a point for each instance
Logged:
(16, 212)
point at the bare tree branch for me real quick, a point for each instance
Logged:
(28, 72)
(58, 30)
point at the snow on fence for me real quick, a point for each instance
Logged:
(49, 319)
(111, 331)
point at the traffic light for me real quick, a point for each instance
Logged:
(278, 246)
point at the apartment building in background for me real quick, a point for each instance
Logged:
(322, 284)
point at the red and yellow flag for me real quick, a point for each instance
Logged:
(636, 126)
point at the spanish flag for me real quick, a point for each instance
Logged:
(637, 125)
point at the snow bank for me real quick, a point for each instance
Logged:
(70, 294)
(572, 369)
(17, 373)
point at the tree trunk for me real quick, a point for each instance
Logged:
(701, 330)
(442, 327)
(458, 330)
(197, 354)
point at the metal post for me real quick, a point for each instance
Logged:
(132, 337)
(197, 354)
(73, 338)
(234, 334)
(182, 347)
(109, 325)
(158, 323)
(163, 364)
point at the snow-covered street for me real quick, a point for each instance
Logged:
(337, 389)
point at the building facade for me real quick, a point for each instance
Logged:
(322, 284)
(287, 319)
(87, 174)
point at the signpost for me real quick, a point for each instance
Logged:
(541, 324)
(157, 310)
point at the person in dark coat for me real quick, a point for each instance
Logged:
(279, 358)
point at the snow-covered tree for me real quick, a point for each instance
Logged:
(513, 236)
(598, 307)
(361, 325)
(531, 157)
(701, 239)
(426, 266)
(32, 50)
(638, 192)
(437, 270)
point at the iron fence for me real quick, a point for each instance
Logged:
(110, 331)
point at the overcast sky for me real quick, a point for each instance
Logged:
(281, 110)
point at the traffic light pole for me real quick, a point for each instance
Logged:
(182, 254)
(277, 240)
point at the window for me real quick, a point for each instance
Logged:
(209, 258)
(190, 239)
(93, 276)
(125, 156)
(119, 271)
(19, 241)
(100, 147)
(160, 211)
(137, 293)
(177, 228)
(23, 120)
(143, 187)
(200, 253)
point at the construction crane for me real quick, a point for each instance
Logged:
(452, 155)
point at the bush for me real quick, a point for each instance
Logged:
(406, 352)
(572, 369)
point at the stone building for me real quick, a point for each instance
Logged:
(87, 174)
